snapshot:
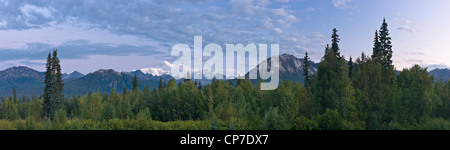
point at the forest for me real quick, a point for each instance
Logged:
(362, 94)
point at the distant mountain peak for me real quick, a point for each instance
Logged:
(147, 76)
(291, 67)
(443, 74)
(72, 76)
(19, 68)
(20, 72)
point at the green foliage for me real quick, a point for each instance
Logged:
(330, 120)
(370, 90)
(90, 106)
(108, 112)
(273, 120)
(303, 123)
(417, 97)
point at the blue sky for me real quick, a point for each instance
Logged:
(126, 35)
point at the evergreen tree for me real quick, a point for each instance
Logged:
(335, 43)
(47, 111)
(187, 78)
(306, 74)
(59, 85)
(350, 67)
(388, 72)
(53, 86)
(160, 84)
(385, 45)
(327, 52)
(332, 88)
(125, 91)
(14, 94)
(377, 51)
(135, 83)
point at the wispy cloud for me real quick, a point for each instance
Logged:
(342, 4)
(407, 26)
(407, 29)
(309, 9)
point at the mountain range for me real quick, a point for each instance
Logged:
(438, 74)
(27, 81)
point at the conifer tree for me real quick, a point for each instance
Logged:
(332, 88)
(385, 45)
(135, 83)
(59, 85)
(377, 51)
(160, 84)
(14, 94)
(53, 86)
(306, 74)
(350, 67)
(335, 43)
(327, 51)
(125, 91)
(47, 89)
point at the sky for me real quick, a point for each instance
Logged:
(126, 35)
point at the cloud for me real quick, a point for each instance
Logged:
(78, 49)
(342, 4)
(277, 31)
(408, 22)
(408, 26)
(416, 53)
(32, 10)
(309, 9)
(407, 29)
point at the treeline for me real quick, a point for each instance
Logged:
(222, 106)
(365, 94)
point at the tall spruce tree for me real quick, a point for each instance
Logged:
(47, 112)
(306, 74)
(53, 86)
(14, 94)
(385, 45)
(377, 51)
(327, 49)
(332, 89)
(160, 84)
(350, 67)
(59, 83)
(335, 43)
(125, 91)
(135, 83)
